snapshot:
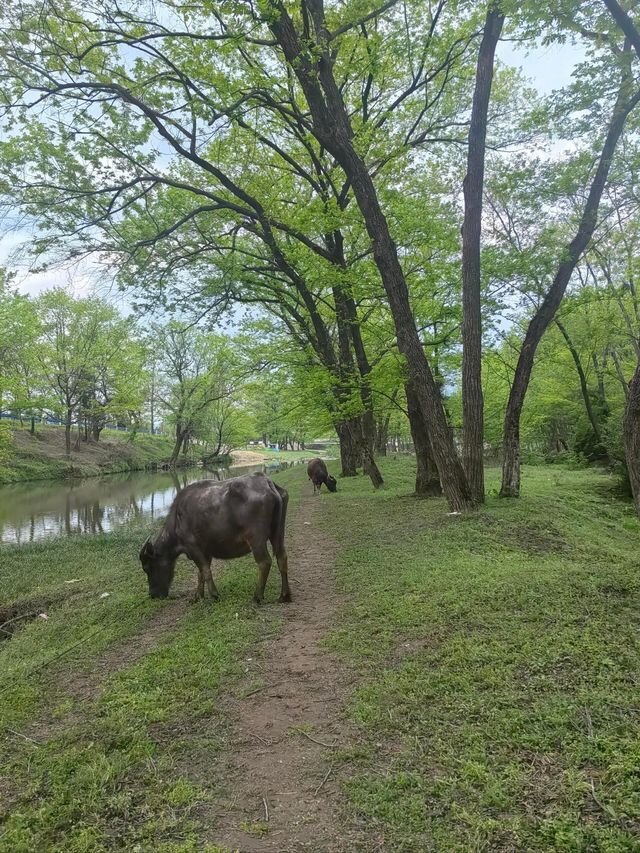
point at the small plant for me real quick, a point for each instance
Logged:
(258, 827)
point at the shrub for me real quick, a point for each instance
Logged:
(6, 442)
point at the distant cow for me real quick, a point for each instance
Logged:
(318, 474)
(222, 520)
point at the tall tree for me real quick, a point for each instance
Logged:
(472, 402)
(331, 125)
(626, 100)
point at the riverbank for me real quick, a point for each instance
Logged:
(42, 456)
(484, 687)
(246, 456)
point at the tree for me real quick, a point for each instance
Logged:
(472, 403)
(73, 339)
(198, 370)
(20, 386)
(626, 99)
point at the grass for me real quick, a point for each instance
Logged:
(499, 661)
(98, 762)
(496, 660)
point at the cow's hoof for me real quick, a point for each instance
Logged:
(285, 598)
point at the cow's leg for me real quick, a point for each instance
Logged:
(212, 589)
(200, 588)
(204, 577)
(263, 559)
(283, 565)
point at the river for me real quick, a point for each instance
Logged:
(30, 512)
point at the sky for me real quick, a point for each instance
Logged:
(547, 68)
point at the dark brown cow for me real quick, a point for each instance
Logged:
(221, 520)
(318, 474)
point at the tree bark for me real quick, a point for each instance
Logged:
(362, 428)
(472, 399)
(631, 434)
(584, 387)
(332, 128)
(349, 456)
(175, 453)
(67, 432)
(382, 435)
(427, 479)
(551, 302)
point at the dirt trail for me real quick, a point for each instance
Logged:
(278, 776)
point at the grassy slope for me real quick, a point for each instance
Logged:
(500, 661)
(42, 456)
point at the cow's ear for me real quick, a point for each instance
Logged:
(147, 549)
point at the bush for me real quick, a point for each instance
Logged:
(6, 442)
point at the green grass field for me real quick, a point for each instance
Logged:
(497, 664)
(499, 657)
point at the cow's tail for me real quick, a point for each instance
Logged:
(279, 519)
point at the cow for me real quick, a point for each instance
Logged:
(222, 520)
(318, 474)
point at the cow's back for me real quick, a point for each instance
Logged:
(222, 518)
(317, 471)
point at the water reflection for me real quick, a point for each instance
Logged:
(39, 510)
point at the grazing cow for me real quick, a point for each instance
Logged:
(318, 474)
(222, 520)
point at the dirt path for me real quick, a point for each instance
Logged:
(278, 777)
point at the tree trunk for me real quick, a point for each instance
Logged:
(427, 479)
(584, 387)
(33, 425)
(332, 128)
(551, 302)
(349, 456)
(631, 434)
(367, 430)
(472, 400)
(361, 428)
(67, 432)
(175, 453)
(382, 436)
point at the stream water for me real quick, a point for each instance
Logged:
(38, 510)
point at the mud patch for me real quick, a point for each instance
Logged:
(14, 617)
(538, 540)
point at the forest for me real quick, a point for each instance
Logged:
(81, 364)
(397, 220)
(408, 227)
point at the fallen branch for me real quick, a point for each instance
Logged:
(325, 778)
(17, 619)
(26, 737)
(266, 809)
(321, 742)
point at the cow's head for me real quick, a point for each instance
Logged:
(158, 568)
(332, 483)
